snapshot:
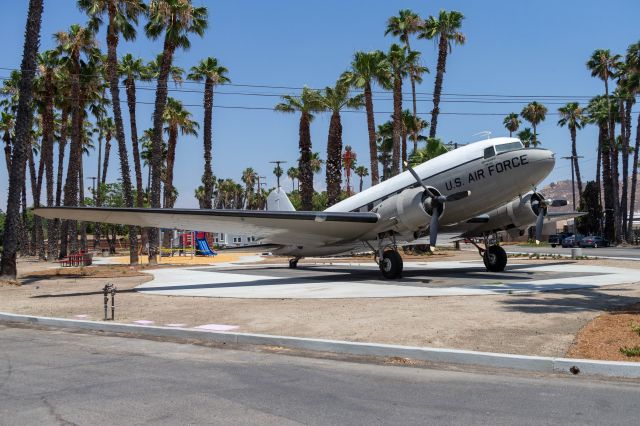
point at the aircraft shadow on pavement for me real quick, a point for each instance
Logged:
(580, 300)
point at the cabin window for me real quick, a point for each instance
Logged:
(506, 147)
(489, 152)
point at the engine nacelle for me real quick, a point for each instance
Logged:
(407, 210)
(515, 214)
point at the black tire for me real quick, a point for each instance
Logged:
(293, 263)
(391, 264)
(495, 259)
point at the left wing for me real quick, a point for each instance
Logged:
(276, 227)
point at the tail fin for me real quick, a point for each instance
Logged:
(278, 201)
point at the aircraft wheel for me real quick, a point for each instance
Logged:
(495, 259)
(391, 264)
(293, 263)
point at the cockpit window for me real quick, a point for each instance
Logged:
(511, 146)
(489, 152)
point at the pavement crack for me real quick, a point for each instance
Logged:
(52, 411)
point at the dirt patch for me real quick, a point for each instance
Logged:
(605, 335)
(535, 324)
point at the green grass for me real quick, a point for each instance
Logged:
(635, 328)
(630, 352)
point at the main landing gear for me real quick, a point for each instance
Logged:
(493, 256)
(293, 263)
(387, 256)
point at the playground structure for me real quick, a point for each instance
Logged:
(187, 243)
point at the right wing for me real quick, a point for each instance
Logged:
(276, 227)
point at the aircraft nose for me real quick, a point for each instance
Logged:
(543, 160)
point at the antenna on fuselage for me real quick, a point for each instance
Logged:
(486, 133)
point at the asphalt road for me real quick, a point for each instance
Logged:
(627, 252)
(54, 377)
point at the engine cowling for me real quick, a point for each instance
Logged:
(518, 213)
(409, 210)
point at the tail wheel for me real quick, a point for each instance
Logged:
(495, 259)
(391, 264)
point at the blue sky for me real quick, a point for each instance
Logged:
(530, 49)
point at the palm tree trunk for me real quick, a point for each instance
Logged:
(371, 128)
(125, 173)
(607, 178)
(306, 174)
(208, 173)
(7, 150)
(334, 163)
(634, 183)
(625, 170)
(34, 183)
(25, 249)
(576, 164)
(130, 86)
(105, 165)
(615, 175)
(83, 225)
(47, 153)
(8, 268)
(69, 227)
(62, 143)
(156, 142)
(169, 192)
(404, 148)
(397, 123)
(440, 70)
(599, 169)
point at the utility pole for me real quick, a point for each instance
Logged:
(573, 177)
(277, 163)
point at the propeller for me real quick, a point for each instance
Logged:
(435, 202)
(540, 206)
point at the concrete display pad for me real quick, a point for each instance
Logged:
(362, 280)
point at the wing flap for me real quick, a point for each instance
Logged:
(277, 227)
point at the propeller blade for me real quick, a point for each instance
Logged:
(417, 178)
(539, 225)
(433, 229)
(458, 196)
(558, 203)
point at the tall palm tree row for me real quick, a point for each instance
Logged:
(8, 269)
(213, 74)
(632, 59)
(176, 20)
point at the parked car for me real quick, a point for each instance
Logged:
(572, 241)
(556, 239)
(594, 241)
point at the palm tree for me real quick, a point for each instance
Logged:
(7, 127)
(445, 30)
(361, 171)
(384, 147)
(306, 104)
(24, 119)
(334, 99)
(73, 43)
(249, 178)
(399, 60)
(366, 69)
(632, 60)
(293, 173)
(122, 18)
(511, 123)
(178, 120)
(403, 26)
(176, 20)
(534, 113)
(525, 136)
(571, 115)
(433, 148)
(213, 74)
(599, 113)
(603, 65)
(316, 163)
(132, 69)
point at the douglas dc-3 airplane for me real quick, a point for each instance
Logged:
(473, 191)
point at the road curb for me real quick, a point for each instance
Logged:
(582, 367)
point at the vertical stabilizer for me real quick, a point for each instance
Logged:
(278, 201)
